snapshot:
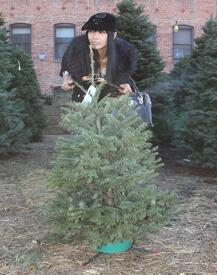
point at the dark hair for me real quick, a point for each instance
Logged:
(111, 54)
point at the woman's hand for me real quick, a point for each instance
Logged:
(68, 83)
(125, 89)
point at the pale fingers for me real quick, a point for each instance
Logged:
(68, 84)
(67, 87)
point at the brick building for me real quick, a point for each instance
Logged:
(45, 27)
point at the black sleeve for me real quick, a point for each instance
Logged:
(126, 61)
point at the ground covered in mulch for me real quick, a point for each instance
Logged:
(186, 245)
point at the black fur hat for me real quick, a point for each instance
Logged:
(101, 22)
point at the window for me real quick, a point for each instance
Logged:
(21, 36)
(63, 36)
(182, 42)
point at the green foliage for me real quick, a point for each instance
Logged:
(3, 32)
(136, 28)
(163, 110)
(181, 75)
(5, 56)
(197, 127)
(168, 97)
(102, 171)
(28, 91)
(13, 136)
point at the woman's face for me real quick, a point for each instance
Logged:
(98, 39)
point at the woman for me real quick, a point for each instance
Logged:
(115, 59)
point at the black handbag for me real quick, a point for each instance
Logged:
(141, 102)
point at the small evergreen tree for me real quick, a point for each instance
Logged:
(102, 170)
(13, 136)
(136, 28)
(181, 75)
(27, 90)
(197, 129)
(169, 96)
(163, 111)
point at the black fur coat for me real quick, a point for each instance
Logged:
(77, 62)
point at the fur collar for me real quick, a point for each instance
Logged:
(125, 54)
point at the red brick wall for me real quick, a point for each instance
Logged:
(43, 14)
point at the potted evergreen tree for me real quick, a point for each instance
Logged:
(102, 170)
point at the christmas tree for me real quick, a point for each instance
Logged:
(13, 136)
(102, 171)
(27, 90)
(136, 28)
(198, 131)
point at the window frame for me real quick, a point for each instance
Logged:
(182, 27)
(21, 25)
(59, 25)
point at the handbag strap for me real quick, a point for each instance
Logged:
(134, 86)
(142, 97)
